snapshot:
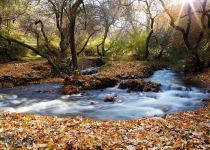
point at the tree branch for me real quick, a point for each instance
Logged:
(36, 51)
(86, 42)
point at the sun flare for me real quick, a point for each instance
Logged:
(183, 1)
(191, 3)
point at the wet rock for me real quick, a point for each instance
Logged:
(206, 100)
(110, 99)
(70, 89)
(134, 85)
(164, 108)
(92, 103)
(22, 87)
(48, 91)
(128, 91)
(181, 88)
(140, 85)
(178, 88)
(157, 89)
(22, 104)
(37, 90)
(147, 89)
(88, 82)
(45, 91)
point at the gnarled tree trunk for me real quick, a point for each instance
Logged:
(194, 62)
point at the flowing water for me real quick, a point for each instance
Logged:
(176, 95)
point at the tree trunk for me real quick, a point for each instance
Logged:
(72, 45)
(161, 51)
(150, 20)
(63, 46)
(147, 44)
(0, 21)
(71, 32)
(6, 49)
(98, 50)
(37, 52)
(86, 42)
(194, 63)
(103, 51)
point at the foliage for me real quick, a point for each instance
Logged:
(204, 50)
(136, 44)
(176, 57)
(16, 51)
(117, 51)
(91, 48)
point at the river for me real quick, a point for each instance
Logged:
(177, 94)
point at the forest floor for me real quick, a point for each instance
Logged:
(39, 71)
(13, 73)
(183, 130)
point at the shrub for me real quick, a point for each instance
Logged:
(16, 51)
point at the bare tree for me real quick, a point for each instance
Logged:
(65, 13)
(194, 61)
(107, 12)
(150, 23)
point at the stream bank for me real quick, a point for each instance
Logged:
(182, 130)
(38, 71)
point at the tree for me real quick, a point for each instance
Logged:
(150, 22)
(65, 15)
(73, 14)
(64, 12)
(10, 11)
(108, 12)
(87, 26)
(193, 8)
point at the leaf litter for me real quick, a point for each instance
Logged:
(182, 130)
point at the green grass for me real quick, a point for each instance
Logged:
(28, 58)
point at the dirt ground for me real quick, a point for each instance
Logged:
(38, 71)
(203, 77)
(34, 71)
